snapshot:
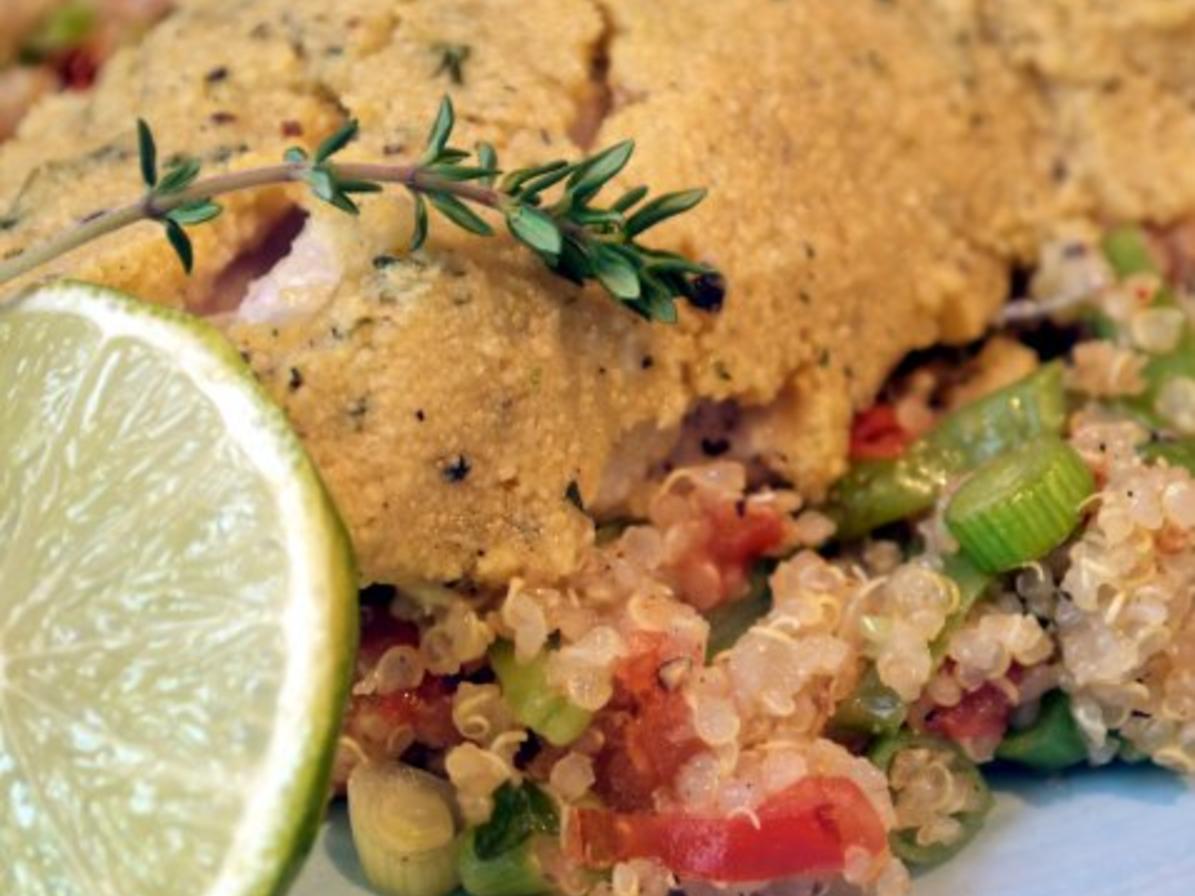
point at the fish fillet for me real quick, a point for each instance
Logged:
(874, 168)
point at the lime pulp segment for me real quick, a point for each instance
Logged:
(176, 610)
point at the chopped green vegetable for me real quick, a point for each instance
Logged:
(518, 813)
(404, 830)
(876, 492)
(872, 708)
(991, 425)
(1052, 743)
(64, 29)
(1021, 505)
(730, 622)
(516, 872)
(534, 701)
(875, 709)
(904, 841)
(972, 583)
(1159, 370)
(1127, 251)
(1177, 453)
(500, 857)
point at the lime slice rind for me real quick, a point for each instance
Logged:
(239, 770)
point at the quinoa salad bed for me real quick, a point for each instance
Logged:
(739, 691)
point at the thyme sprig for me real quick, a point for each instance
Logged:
(574, 236)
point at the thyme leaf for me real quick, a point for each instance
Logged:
(572, 233)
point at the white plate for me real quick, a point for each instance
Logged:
(1104, 832)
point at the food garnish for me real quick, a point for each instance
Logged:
(575, 238)
(179, 609)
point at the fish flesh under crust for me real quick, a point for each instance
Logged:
(874, 168)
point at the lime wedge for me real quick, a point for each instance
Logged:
(177, 610)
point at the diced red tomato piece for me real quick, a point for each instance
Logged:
(78, 67)
(380, 631)
(427, 709)
(980, 717)
(805, 829)
(876, 434)
(648, 729)
(743, 533)
(740, 533)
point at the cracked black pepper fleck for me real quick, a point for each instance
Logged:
(458, 469)
(714, 447)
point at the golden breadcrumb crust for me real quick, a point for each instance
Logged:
(874, 167)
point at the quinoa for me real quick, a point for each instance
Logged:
(680, 719)
(1108, 618)
(1125, 622)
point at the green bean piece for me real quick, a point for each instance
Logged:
(876, 492)
(903, 842)
(1052, 743)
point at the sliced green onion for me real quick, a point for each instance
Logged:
(731, 621)
(1127, 251)
(1021, 505)
(877, 492)
(534, 701)
(404, 829)
(515, 872)
(986, 428)
(1052, 743)
(872, 708)
(903, 842)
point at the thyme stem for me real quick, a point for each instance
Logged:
(417, 178)
(152, 208)
(574, 238)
